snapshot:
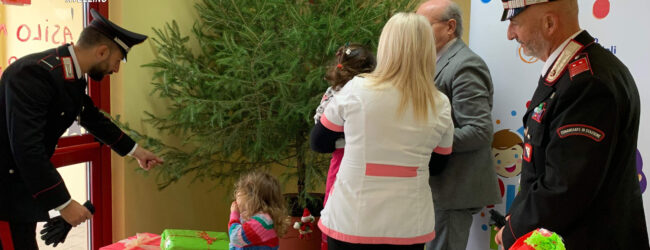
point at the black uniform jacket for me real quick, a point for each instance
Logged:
(579, 177)
(40, 97)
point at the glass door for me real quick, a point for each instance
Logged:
(84, 165)
(76, 179)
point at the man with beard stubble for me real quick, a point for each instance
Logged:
(40, 96)
(578, 176)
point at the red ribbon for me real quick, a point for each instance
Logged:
(141, 241)
(206, 237)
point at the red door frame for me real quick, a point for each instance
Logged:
(84, 148)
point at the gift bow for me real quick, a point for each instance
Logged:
(206, 237)
(140, 241)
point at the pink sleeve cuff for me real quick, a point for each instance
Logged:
(442, 151)
(330, 125)
(234, 216)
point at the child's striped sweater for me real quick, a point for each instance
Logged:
(256, 233)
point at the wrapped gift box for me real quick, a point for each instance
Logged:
(141, 241)
(176, 239)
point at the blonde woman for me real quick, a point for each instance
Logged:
(396, 126)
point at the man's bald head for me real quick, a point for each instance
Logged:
(445, 18)
(564, 9)
(432, 9)
(568, 8)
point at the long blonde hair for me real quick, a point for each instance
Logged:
(406, 59)
(261, 193)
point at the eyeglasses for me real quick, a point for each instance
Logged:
(440, 21)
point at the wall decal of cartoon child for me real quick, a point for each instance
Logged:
(507, 148)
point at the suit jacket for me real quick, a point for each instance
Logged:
(579, 174)
(40, 97)
(469, 180)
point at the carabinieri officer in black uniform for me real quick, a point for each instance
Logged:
(579, 168)
(40, 96)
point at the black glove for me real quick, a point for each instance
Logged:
(497, 219)
(56, 229)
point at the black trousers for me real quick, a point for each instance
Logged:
(333, 244)
(23, 236)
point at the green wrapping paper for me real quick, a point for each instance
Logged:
(177, 239)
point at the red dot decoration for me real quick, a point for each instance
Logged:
(601, 9)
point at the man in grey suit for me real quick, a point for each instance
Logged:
(468, 182)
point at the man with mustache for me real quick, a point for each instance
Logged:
(581, 128)
(40, 96)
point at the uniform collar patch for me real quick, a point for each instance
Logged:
(579, 66)
(68, 68)
(581, 130)
(569, 51)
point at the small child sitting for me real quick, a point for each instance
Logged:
(258, 216)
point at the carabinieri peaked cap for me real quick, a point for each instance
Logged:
(511, 8)
(124, 39)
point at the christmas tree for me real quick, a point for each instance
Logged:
(246, 97)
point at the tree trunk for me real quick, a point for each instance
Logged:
(300, 164)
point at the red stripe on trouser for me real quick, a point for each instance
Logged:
(5, 236)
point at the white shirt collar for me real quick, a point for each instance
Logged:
(77, 69)
(551, 59)
(444, 49)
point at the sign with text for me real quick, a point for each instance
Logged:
(41, 25)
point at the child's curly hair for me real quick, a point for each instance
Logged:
(261, 192)
(351, 60)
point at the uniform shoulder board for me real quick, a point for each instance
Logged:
(50, 62)
(579, 65)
